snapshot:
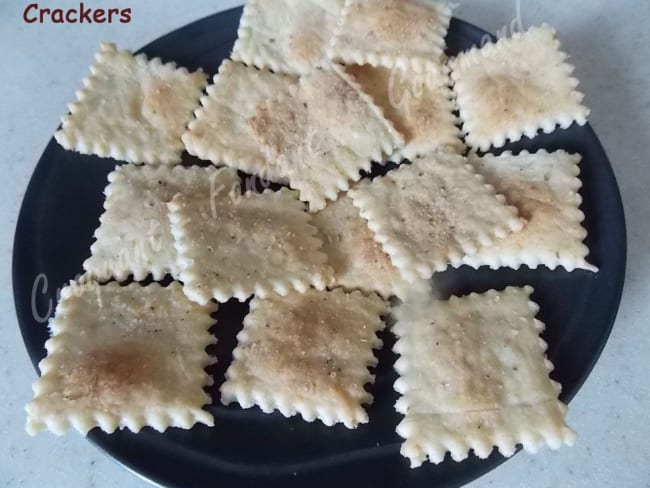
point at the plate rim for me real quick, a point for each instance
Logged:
(23, 304)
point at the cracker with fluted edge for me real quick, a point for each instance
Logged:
(323, 133)
(220, 132)
(544, 188)
(431, 213)
(132, 109)
(307, 354)
(392, 33)
(255, 243)
(123, 357)
(134, 236)
(287, 36)
(353, 253)
(419, 105)
(515, 87)
(473, 375)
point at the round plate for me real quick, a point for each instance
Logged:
(246, 447)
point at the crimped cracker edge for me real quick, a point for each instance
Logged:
(344, 178)
(242, 52)
(564, 121)
(159, 418)
(506, 442)
(235, 393)
(397, 139)
(72, 139)
(550, 261)
(241, 291)
(418, 63)
(104, 271)
(223, 156)
(404, 260)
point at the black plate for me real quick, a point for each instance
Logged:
(54, 233)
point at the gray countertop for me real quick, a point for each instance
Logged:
(42, 65)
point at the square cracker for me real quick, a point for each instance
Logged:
(132, 109)
(515, 87)
(473, 375)
(134, 236)
(287, 36)
(123, 357)
(220, 132)
(544, 188)
(431, 213)
(419, 105)
(323, 134)
(252, 244)
(307, 354)
(407, 34)
(357, 259)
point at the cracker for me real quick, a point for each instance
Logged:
(132, 109)
(357, 259)
(287, 36)
(544, 188)
(254, 244)
(134, 236)
(515, 87)
(123, 357)
(473, 375)
(307, 354)
(220, 132)
(408, 34)
(323, 134)
(431, 213)
(419, 105)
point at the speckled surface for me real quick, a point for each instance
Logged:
(609, 44)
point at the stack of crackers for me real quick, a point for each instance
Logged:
(314, 94)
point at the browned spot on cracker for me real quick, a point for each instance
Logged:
(280, 125)
(112, 374)
(371, 250)
(307, 349)
(303, 42)
(158, 96)
(512, 96)
(396, 20)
